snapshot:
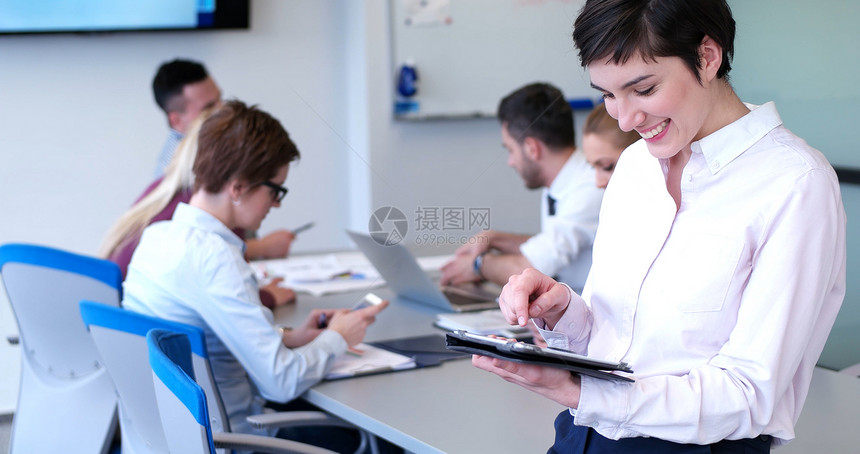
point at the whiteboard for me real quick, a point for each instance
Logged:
(802, 55)
(489, 49)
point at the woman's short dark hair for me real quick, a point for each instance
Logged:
(538, 110)
(617, 30)
(240, 142)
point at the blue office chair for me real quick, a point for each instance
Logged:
(182, 403)
(66, 401)
(120, 334)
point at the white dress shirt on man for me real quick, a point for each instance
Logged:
(563, 246)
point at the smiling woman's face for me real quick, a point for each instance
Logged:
(661, 100)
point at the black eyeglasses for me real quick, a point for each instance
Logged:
(278, 192)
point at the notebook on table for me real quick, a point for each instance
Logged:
(366, 359)
(405, 277)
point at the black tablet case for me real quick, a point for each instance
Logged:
(457, 341)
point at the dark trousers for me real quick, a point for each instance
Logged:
(571, 439)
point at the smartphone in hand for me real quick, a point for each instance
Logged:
(369, 300)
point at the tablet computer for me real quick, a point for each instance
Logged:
(522, 352)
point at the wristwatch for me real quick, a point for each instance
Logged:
(478, 263)
(283, 329)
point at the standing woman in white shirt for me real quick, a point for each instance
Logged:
(719, 260)
(192, 269)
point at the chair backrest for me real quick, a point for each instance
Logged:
(64, 389)
(181, 402)
(120, 336)
(44, 286)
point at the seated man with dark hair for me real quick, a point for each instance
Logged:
(538, 132)
(183, 89)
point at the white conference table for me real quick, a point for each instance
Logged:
(457, 408)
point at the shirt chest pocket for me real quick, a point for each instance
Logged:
(701, 272)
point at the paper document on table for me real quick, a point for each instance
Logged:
(364, 359)
(320, 274)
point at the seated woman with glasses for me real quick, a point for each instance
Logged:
(192, 269)
(158, 202)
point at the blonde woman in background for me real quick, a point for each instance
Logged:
(602, 143)
(158, 202)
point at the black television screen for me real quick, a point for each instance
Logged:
(83, 16)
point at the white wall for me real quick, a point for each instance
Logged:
(79, 131)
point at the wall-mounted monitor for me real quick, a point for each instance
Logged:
(89, 16)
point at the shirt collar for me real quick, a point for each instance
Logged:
(174, 134)
(199, 219)
(729, 142)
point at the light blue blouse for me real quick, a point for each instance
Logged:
(191, 269)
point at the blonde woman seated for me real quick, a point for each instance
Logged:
(602, 143)
(158, 202)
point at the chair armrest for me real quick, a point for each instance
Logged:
(259, 443)
(295, 419)
(274, 420)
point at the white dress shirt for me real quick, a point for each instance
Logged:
(721, 309)
(563, 246)
(191, 269)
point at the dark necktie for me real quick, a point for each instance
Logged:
(550, 204)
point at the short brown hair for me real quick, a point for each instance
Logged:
(619, 29)
(240, 142)
(599, 122)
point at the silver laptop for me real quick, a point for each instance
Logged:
(403, 275)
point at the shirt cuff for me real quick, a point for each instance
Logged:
(333, 340)
(604, 406)
(572, 330)
(541, 254)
